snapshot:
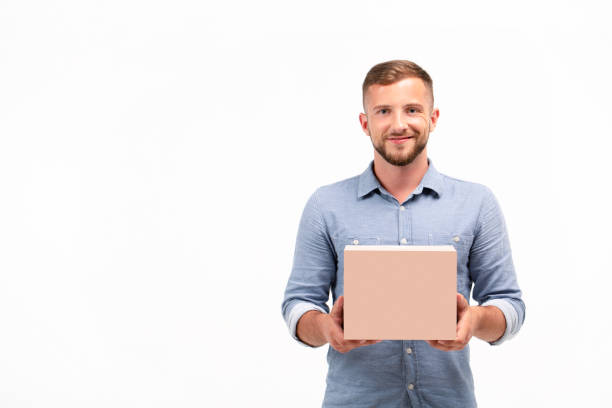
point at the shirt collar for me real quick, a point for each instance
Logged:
(432, 180)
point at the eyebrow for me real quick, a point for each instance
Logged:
(417, 105)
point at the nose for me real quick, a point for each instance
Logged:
(398, 124)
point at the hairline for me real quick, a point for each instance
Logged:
(429, 88)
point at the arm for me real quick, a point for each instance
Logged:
(316, 328)
(489, 323)
(309, 328)
(501, 311)
(492, 269)
(485, 322)
(313, 271)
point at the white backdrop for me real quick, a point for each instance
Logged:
(155, 158)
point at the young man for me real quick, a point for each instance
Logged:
(400, 199)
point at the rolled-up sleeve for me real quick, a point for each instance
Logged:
(492, 269)
(313, 271)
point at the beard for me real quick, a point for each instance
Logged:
(404, 156)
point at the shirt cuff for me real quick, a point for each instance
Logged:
(512, 323)
(295, 314)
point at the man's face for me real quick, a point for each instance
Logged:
(398, 119)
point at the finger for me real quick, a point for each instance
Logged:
(338, 307)
(334, 333)
(338, 342)
(362, 343)
(449, 345)
(348, 345)
(342, 345)
(437, 344)
(460, 342)
(336, 330)
(463, 335)
(462, 304)
(359, 342)
(464, 327)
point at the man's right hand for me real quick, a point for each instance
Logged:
(333, 329)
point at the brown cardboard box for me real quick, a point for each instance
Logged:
(400, 292)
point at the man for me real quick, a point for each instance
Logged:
(400, 199)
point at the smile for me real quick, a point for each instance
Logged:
(400, 140)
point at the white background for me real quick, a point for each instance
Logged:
(155, 158)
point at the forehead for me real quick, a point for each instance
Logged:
(407, 90)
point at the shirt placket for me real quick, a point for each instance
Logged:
(405, 238)
(404, 227)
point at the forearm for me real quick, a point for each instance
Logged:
(309, 328)
(489, 323)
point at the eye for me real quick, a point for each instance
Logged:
(383, 111)
(412, 111)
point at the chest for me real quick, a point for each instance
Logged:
(423, 221)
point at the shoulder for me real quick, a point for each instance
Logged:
(471, 190)
(334, 193)
(477, 197)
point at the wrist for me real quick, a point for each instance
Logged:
(321, 321)
(489, 323)
(476, 312)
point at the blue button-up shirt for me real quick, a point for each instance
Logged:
(440, 211)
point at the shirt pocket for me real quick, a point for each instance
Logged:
(339, 243)
(360, 240)
(462, 243)
(342, 241)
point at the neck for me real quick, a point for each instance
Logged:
(400, 181)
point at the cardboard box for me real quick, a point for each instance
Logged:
(400, 292)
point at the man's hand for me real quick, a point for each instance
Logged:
(333, 330)
(465, 328)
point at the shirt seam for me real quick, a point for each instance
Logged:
(323, 223)
(477, 226)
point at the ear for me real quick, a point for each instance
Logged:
(435, 114)
(363, 119)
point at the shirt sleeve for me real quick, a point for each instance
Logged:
(313, 271)
(492, 269)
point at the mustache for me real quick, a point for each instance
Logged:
(395, 135)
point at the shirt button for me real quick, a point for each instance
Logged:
(411, 386)
(456, 239)
(356, 242)
(408, 350)
(404, 241)
(402, 207)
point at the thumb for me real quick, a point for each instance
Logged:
(338, 307)
(462, 304)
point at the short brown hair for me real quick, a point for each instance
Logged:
(390, 72)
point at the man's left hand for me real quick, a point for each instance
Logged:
(465, 328)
